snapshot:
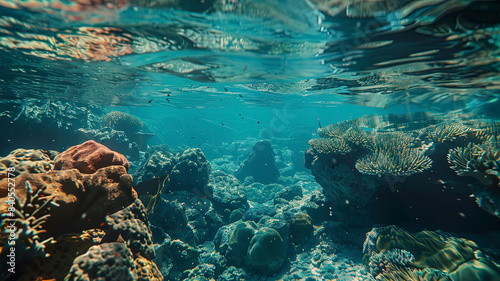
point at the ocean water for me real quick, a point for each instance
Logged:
(264, 139)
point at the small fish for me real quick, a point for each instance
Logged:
(319, 124)
(168, 100)
(225, 89)
(333, 166)
(258, 122)
(244, 69)
(385, 106)
(240, 96)
(222, 124)
(168, 95)
(149, 101)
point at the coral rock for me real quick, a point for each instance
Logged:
(260, 164)
(104, 262)
(27, 160)
(132, 224)
(88, 158)
(267, 250)
(84, 200)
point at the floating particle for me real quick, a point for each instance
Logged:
(461, 214)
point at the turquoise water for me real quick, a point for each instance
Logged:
(222, 75)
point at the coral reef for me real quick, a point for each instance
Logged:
(121, 121)
(158, 161)
(228, 193)
(104, 262)
(446, 132)
(50, 124)
(267, 250)
(100, 208)
(115, 140)
(327, 146)
(27, 160)
(191, 173)
(394, 254)
(21, 226)
(260, 164)
(482, 162)
(89, 157)
(301, 226)
(394, 154)
(351, 193)
(84, 199)
(131, 224)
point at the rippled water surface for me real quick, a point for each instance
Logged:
(440, 55)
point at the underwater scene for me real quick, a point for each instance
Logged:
(250, 140)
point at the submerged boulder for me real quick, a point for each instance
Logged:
(261, 164)
(89, 157)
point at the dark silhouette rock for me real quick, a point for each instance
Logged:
(260, 164)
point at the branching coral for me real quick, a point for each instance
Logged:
(395, 154)
(448, 131)
(480, 161)
(122, 121)
(337, 146)
(22, 225)
(395, 162)
(358, 137)
(336, 130)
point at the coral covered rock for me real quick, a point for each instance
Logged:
(191, 173)
(394, 254)
(301, 226)
(261, 164)
(88, 158)
(84, 200)
(159, 161)
(131, 224)
(104, 262)
(121, 121)
(228, 193)
(482, 162)
(115, 140)
(350, 192)
(266, 251)
(27, 160)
